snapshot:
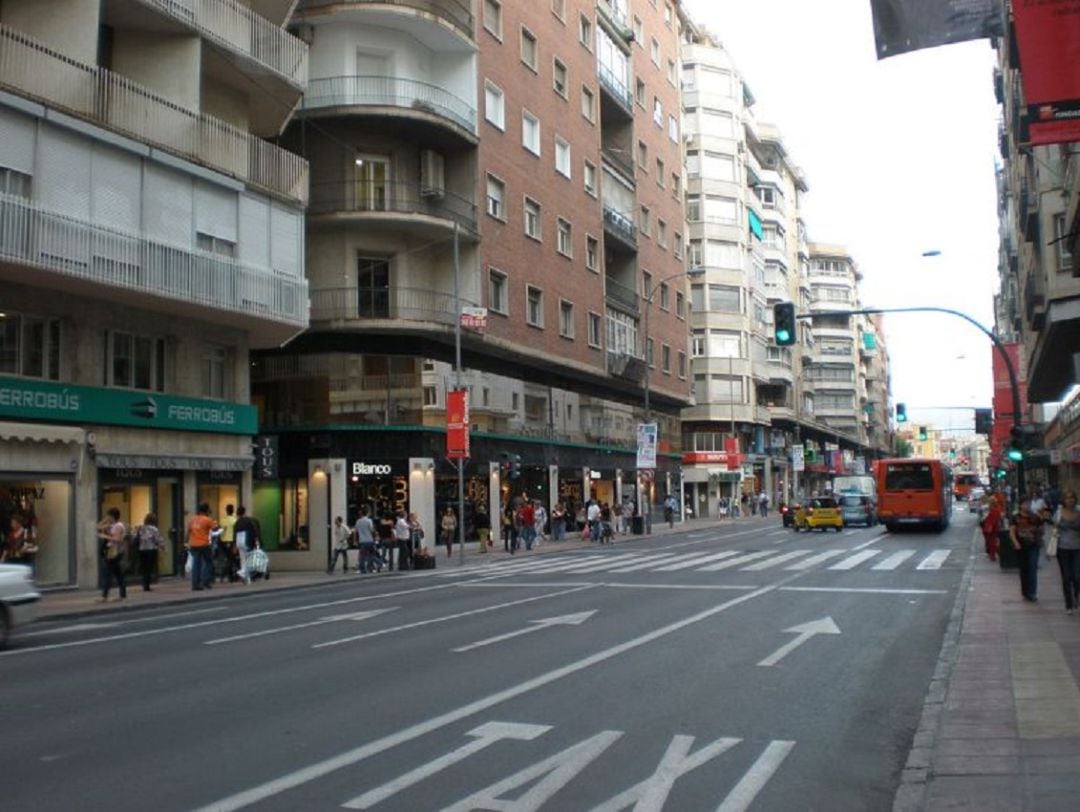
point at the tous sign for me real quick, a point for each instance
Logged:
(363, 469)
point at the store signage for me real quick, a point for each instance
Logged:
(266, 458)
(798, 460)
(1047, 34)
(366, 469)
(646, 445)
(474, 318)
(130, 465)
(55, 402)
(457, 424)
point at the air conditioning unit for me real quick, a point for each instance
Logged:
(432, 173)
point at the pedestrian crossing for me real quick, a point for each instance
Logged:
(876, 560)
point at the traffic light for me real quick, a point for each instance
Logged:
(1023, 437)
(984, 421)
(784, 323)
(515, 466)
(923, 434)
(901, 413)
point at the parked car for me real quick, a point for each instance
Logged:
(787, 513)
(856, 509)
(819, 512)
(18, 598)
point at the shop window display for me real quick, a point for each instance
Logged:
(35, 527)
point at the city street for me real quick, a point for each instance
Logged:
(744, 666)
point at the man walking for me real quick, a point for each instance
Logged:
(341, 546)
(246, 532)
(198, 541)
(365, 535)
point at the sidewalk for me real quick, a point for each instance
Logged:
(81, 602)
(1000, 728)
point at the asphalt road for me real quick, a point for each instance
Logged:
(731, 669)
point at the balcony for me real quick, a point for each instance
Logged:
(620, 295)
(616, 90)
(420, 99)
(385, 303)
(80, 254)
(407, 205)
(621, 226)
(240, 31)
(1035, 301)
(102, 97)
(452, 12)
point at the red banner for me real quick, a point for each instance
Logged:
(457, 424)
(1048, 37)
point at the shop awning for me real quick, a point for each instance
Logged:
(40, 433)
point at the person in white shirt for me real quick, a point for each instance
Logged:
(341, 535)
(593, 518)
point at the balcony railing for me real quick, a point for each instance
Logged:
(389, 91)
(29, 68)
(620, 224)
(237, 28)
(621, 294)
(338, 197)
(617, 89)
(31, 235)
(455, 12)
(393, 303)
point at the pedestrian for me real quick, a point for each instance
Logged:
(199, 528)
(540, 521)
(402, 535)
(747, 505)
(606, 528)
(386, 543)
(763, 504)
(447, 528)
(991, 525)
(558, 522)
(509, 532)
(671, 506)
(527, 520)
(365, 535)
(592, 519)
(1067, 521)
(112, 537)
(416, 535)
(482, 523)
(148, 539)
(227, 545)
(246, 532)
(341, 534)
(1025, 533)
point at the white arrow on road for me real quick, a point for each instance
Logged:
(804, 631)
(561, 620)
(365, 615)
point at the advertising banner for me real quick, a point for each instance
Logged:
(798, 462)
(1048, 37)
(646, 445)
(457, 424)
(474, 318)
(909, 25)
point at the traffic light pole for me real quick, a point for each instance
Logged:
(1014, 387)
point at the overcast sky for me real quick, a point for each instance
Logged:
(899, 156)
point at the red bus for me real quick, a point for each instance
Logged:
(963, 483)
(914, 492)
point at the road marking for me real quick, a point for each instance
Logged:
(894, 560)
(78, 627)
(644, 565)
(743, 793)
(814, 560)
(575, 619)
(354, 616)
(772, 562)
(805, 631)
(486, 735)
(853, 561)
(444, 618)
(358, 754)
(696, 560)
(745, 558)
(865, 590)
(934, 560)
(781, 532)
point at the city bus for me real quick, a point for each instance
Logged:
(914, 492)
(963, 482)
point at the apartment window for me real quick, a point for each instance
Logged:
(493, 18)
(564, 243)
(588, 104)
(657, 112)
(214, 366)
(532, 218)
(665, 296)
(585, 31)
(650, 355)
(558, 8)
(643, 156)
(215, 245)
(676, 246)
(645, 221)
(496, 197)
(515, 401)
(592, 253)
(722, 298)
(431, 396)
(530, 132)
(566, 319)
(673, 129)
(14, 183)
(135, 361)
(590, 178)
(639, 92)
(676, 185)
(661, 233)
(497, 298)
(639, 31)
(654, 52)
(485, 395)
(559, 78)
(672, 73)
(594, 329)
(534, 306)
(562, 157)
(665, 359)
(694, 254)
(697, 343)
(682, 365)
(494, 105)
(646, 284)
(528, 49)
(1061, 243)
(29, 346)
(680, 305)
(667, 14)
(661, 174)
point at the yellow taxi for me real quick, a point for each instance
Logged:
(819, 512)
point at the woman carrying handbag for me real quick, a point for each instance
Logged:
(1066, 523)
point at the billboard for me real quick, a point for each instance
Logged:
(646, 445)
(908, 25)
(457, 424)
(1048, 38)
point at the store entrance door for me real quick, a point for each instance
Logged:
(171, 524)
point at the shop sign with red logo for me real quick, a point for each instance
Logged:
(457, 424)
(1048, 37)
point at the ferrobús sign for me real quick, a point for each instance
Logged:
(457, 424)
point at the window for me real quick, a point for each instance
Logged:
(682, 365)
(585, 31)
(135, 362)
(657, 112)
(661, 233)
(515, 401)
(29, 346)
(496, 197)
(694, 254)
(215, 245)
(566, 319)
(650, 355)
(646, 284)
(431, 396)
(676, 185)
(532, 218)
(558, 8)
(642, 155)
(534, 306)
(665, 358)
(14, 183)
(1061, 243)
(768, 196)
(645, 222)
(590, 178)
(661, 174)
(697, 343)
(667, 14)
(639, 92)
(654, 52)
(485, 395)
(564, 243)
(665, 296)
(672, 73)
(528, 49)
(559, 78)
(214, 366)
(639, 32)
(676, 246)
(722, 298)
(562, 157)
(497, 299)
(673, 129)
(680, 305)
(493, 18)
(588, 104)
(494, 105)
(594, 329)
(530, 132)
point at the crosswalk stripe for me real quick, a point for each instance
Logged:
(603, 562)
(696, 560)
(853, 561)
(644, 563)
(565, 564)
(772, 562)
(894, 560)
(934, 560)
(746, 558)
(814, 560)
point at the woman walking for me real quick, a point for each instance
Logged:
(112, 537)
(149, 540)
(448, 526)
(1025, 532)
(991, 524)
(1067, 519)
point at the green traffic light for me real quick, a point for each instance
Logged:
(1015, 454)
(782, 336)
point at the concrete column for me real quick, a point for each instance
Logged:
(422, 497)
(494, 504)
(553, 488)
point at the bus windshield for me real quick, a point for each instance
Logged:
(910, 476)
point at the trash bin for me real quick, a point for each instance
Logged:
(1007, 555)
(637, 525)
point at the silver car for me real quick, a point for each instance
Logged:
(18, 599)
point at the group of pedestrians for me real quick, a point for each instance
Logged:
(395, 537)
(748, 504)
(1041, 526)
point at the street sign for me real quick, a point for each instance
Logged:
(646, 445)
(457, 424)
(474, 318)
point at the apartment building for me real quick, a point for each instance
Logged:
(150, 236)
(507, 156)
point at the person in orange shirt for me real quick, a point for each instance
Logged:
(198, 542)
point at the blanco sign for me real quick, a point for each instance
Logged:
(364, 469)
